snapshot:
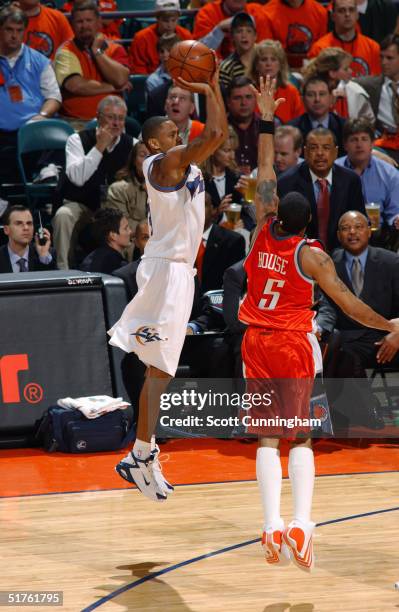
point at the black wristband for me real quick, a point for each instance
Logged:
(266, 127)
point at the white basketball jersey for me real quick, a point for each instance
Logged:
(177, 215)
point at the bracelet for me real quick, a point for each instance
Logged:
(266, 127)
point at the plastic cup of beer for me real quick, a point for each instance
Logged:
(233, 214)
(250, 190)
(373, 211)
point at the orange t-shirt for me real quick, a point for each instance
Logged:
(212, 13)
(47, 31)
(143, 54)
(293, 105)
(196, 129)
(69, 61)
(364, 50)
(296, 28)
(110, 29)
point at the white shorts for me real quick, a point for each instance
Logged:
(153, 325)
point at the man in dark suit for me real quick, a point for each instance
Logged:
(128, 273)
(220, 248)
(19, 254)
(373, 275)
(318, 99)
(330, 189)
(384, 96)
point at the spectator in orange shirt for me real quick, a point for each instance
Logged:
(47, 28)
(179, 107)
(270, 60)
(143, 52)
(110, 27)
(365, 52)
(297, 24)
(88, 67)
(213, 21)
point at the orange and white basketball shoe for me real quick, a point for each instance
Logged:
(276, 550)
(299, 538)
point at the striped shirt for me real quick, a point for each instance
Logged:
(230, 68)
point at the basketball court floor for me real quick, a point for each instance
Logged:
(69, 523)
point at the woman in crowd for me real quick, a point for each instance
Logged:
(128, 193)
(270, 60)
(333, 65)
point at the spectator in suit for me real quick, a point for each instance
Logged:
(384, 96)
(47, 27)
(88, 67)
(128, 273)
(128, 194)
(179, 107)
(330, 189)
(93, 157)
(318, 99)
(365, 52)
(378, 18)
(334, 66)
(28, 88)
(373, 275)
(144, 54)
(220, 248)
(243, 34)
(234, 281)
(112, 233)
(380, 180)
(19, 254)
(270, 60)
(241, 105)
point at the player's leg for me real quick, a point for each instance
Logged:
(141, 466)
(299, 533)
(269, 477)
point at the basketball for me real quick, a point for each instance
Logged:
(192, 61)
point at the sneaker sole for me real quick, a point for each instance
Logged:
(305, 563)
(272, 555)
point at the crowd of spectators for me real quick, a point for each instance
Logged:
(336, 139)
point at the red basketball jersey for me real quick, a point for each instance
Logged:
(279, 294)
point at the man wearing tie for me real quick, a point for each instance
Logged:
(19, 255)
(330, 189)
(373, 275)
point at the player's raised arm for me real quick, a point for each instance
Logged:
(320, 267)
(214, 133)
(265, 196)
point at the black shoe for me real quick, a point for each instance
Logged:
(374, 420)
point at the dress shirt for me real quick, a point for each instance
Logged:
(320, 122)
(14, 258)
(157, 78)
(349, 261)
(80, 167)
(385, 115)
(380, 184)
(316, 186)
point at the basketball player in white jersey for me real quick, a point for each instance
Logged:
(154, 324)
(278, 342)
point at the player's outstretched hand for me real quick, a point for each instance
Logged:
(265, 97)
(201, 88)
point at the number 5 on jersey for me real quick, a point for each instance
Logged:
(271, 297)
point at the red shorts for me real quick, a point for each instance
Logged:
(282, 366)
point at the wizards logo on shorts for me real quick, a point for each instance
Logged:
(147, 334)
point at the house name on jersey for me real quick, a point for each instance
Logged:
(270, 261)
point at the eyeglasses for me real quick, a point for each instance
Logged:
(178, 98)
(111, 117)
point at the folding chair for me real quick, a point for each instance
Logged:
(49, 135)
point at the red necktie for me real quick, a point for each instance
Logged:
(200, 259)
(323, 210)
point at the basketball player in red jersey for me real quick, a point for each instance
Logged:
(279, 344)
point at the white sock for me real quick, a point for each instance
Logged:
(141, 449)
(301, 473)
(268, 474)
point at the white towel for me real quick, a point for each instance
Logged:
(95, 405)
